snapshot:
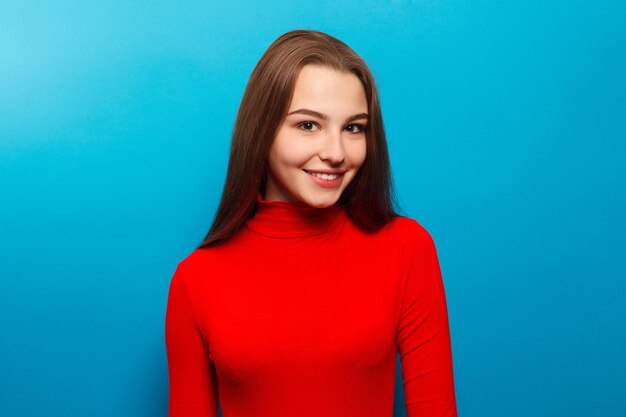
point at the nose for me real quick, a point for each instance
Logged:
(331, 149)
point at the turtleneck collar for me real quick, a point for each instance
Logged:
(283, 219)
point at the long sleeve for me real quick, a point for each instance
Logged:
(192, 381)
(423, 336)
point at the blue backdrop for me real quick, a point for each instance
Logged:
(505, 123)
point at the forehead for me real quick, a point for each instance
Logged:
(324, 89)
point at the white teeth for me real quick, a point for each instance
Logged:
(323, 176)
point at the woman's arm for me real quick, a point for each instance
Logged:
(423, 336)
(192, 380)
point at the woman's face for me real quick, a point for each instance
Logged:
(320, 145)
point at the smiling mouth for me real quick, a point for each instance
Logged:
(324, 176)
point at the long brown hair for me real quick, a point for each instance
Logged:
(368, 199)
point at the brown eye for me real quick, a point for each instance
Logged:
(306, 126)
(359, 128)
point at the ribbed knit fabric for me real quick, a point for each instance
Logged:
(302, 313)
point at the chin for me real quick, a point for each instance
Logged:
(322, 201)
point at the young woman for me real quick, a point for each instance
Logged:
(308, 282)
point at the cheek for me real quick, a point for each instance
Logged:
(288, 154)
(356, 152)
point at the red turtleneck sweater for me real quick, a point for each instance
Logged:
(301, 314)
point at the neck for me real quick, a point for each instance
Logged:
(284, 219)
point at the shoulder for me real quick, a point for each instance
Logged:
(408, 230)
(196, 264)
(192, 260)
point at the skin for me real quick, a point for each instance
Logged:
(307, 142)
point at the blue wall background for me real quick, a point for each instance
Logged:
(505, 123)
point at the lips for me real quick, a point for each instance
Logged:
(326, 179)
(325, 171)
(323, 176)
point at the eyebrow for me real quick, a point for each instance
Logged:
(325, 117)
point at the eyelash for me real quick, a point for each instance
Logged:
(362, 128)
